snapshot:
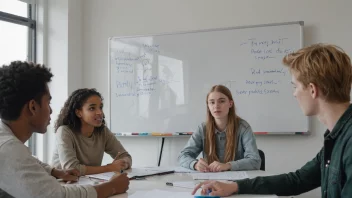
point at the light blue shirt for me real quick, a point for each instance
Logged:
(246, 158)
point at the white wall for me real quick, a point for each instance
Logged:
(325, 21)
(75, 38)
(57, 60)
(59, 27)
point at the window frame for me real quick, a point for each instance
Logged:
(29, 22)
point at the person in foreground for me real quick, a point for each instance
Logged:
(25, 109)
(227, 141)
(82, 137)
(322, 77)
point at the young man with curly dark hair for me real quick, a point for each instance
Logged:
(25, 109)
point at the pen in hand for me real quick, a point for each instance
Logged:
(208, 191)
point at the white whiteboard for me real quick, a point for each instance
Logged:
(158, 83)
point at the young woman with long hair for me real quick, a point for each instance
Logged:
(226, 140)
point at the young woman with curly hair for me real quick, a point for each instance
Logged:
(82, 137)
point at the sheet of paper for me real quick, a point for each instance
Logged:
(146, 171)
(160, 194)
(177, 169)
(104, 176)
(133, 172)
(183, 184)
(228, 175)
(184, 170)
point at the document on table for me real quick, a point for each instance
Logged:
(184, 170)
(148, 171)
(134, 173)
(160, 194)
(228, 175)
(172, 194)
(104, 176)
(183, 184)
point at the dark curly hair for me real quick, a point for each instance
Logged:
(76, 100)
(21, 82)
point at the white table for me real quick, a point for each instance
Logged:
(159, 182)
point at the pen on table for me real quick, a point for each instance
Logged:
(189, 185)
(172, 184)
(96, 180)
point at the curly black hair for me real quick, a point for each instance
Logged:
(75, 101)
(21, 82)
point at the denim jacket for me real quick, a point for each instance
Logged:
(331, 168)
(246, 153)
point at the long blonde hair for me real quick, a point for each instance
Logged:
(231, 129)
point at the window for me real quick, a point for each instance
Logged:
(14, 7)
(17, 36)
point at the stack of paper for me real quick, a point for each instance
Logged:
(228, 175)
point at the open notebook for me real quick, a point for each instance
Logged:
(135, 173)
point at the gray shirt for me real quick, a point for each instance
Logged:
(73, 150)
(246, 154)
(22, 175)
